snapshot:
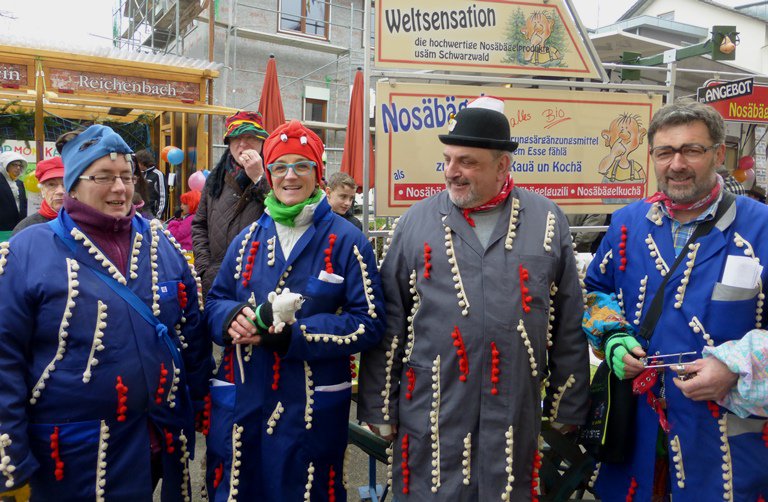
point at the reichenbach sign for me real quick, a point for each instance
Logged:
(726, 90)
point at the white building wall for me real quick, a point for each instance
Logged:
(751, 54)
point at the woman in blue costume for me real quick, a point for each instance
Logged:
(280, 401)
(102, 355)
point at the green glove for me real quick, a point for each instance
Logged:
(617, 346)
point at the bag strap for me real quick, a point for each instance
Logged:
(654, 312)
(125, 293)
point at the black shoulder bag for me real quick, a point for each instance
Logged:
(608, 435)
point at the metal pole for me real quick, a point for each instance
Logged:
(211, 37)
(366, 129)
(39, 123)
(671, 79)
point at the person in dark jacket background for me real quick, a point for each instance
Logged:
(233, 195)
(50, 179)
(13, 196)
(156, 189)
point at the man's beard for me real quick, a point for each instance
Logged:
(688, 195)
(467, 201)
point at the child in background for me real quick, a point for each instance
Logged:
(181, 228)
(341, 190)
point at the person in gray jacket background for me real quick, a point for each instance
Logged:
(484, 311)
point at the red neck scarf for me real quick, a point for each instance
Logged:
(701, 203)
(47, 211)
(498, 199)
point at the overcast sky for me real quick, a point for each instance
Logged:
(89, 22)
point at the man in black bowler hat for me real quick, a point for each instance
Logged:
(484, 310)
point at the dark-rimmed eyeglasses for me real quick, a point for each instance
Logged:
(301, 168)
(692, 152)
(109, 179)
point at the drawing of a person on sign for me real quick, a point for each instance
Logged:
(623, 136)
(542, 37)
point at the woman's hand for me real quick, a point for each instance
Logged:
(242, 330)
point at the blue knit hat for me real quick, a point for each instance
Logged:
(89, 146)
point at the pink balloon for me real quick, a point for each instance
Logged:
(750, 178)
(746, 163)
(197, 181)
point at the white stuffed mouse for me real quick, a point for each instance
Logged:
(284, 308)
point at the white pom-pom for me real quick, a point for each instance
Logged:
(303, 140)
(284, 138)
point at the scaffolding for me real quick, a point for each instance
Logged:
(155, 26)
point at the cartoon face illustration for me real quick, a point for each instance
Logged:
(538, 28)
(624, 135)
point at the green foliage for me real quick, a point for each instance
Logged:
(515, 37)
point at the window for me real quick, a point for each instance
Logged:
(305, 16)
(317, 111)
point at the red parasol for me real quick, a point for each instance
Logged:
(357, 125)
(271, 104)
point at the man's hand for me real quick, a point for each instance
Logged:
(384, 431)
(708, 380)
(242, 330)
(621, 354)
(252, 163)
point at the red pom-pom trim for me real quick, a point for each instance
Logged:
(427, 260)
(248, 272)
(411, 375)
(56, 455)
(461, 352)
(404, 464)
(161, 384)
(495, 371)
(122, 399)
(328, 252)
(526, 298)
(276, 372)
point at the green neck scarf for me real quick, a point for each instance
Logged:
(285, 215)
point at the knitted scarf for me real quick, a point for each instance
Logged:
(498, 199)
(285, 215)
(704, 202)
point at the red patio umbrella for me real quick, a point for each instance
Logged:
(270, 103)
(357, 125)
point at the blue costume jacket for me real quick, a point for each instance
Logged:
(279, 421)
(84, 376)
(713, 454)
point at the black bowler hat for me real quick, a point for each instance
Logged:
(482, 124)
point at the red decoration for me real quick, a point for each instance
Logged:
(427, 260)
(161, 384)
(632, 490)
(404, 464)
(328, 251)
(227, 362)
(495, 371)
(352, 367)
(56, 455)
(765, 434)
(276, 372)
(623, 248)
(526, 298)
(249, 263)
(535, 476)
(331, 482)
(411, 375)
(218, 474)
(714, 409)
(122, 399)
(461, 352)
(182, 295)
(168, 442)
(207, 414)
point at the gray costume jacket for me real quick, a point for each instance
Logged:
(473, 336)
